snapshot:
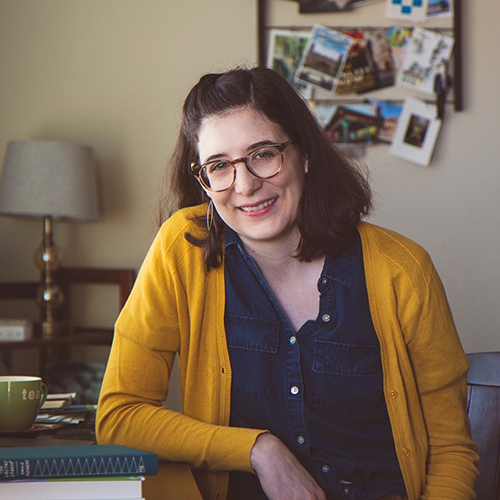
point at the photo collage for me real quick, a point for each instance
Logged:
(335, 70)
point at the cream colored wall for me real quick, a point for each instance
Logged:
(113, 74)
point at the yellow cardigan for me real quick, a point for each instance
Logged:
(176, 308)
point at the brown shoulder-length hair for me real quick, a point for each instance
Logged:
(336, 193)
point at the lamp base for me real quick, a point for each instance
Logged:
(51, 329)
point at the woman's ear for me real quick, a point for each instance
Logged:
(306, 164)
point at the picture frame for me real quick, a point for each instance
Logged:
(416, 132)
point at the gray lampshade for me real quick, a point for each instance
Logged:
(48, 178)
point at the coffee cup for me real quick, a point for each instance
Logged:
(20, 400)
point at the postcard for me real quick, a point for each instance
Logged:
(311, 6)
(358, 70)
(439, 8)
(426, 51)
(389, 113)
(324, 58)
(353, 123)
(359, 3)
(381, 56)
(285, 52)
(417, 132)
(323, 111)
(397, 39)
(411, 10)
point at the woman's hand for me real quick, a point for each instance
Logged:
(281, 475)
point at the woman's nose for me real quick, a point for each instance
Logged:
(245, 183)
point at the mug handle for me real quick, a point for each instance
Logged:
(43, 396)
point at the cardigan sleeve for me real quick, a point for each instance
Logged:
(425, 368)
(157, 322)
(440, 369)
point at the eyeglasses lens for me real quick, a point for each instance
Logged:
(263, 163)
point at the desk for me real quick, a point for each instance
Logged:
(174, 481)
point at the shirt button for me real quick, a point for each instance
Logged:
(300, 440)
(326, 318)
(325, 469)
(346, 490)
(292, 340)
(406, 452)
(294, 390)
(324, 281)
(393, 394)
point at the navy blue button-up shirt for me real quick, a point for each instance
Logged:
(318, 389)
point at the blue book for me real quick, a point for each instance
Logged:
(100, 460)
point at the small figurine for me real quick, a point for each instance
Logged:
(442, 84)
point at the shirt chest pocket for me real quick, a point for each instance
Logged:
(253, 344)
(347, 378)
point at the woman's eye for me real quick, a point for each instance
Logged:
(218, 166)
(263, 154)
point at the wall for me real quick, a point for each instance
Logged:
(113, 74)
(450, 207)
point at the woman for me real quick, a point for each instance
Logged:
(318, 356)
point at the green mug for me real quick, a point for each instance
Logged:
(20, 400)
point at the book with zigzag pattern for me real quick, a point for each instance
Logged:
(105, 460)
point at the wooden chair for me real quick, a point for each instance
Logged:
(483, 380)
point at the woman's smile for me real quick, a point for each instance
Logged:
(258, 209)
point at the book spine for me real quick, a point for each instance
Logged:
(46, 468)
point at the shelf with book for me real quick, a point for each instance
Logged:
(82, 287)
(78, 336)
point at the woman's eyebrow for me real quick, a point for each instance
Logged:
(250, 148)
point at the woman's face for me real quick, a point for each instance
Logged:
(259, 210)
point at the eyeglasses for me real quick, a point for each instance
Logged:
(219, 175)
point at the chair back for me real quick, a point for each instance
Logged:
(483, 382)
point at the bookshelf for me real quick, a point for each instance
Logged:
(68, 277)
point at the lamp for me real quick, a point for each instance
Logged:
(51, 180)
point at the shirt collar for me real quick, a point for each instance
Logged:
(340, 269)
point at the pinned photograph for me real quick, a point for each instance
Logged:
(311, 6)
(388, 113)
(358, 69)
(397, 39)
(353, 123)
(417, 132)
(426, 51)
(324, 58)
(439, 8)
(286, 48)
(411, 10)
(381, 56)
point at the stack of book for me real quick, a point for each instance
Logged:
(59, 409)
(97, 472)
